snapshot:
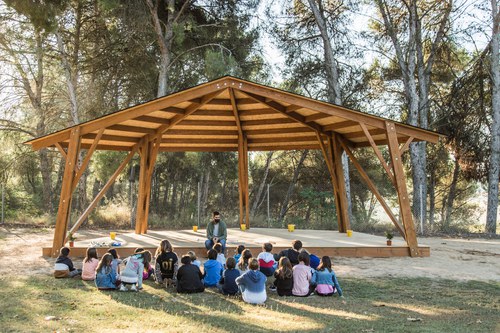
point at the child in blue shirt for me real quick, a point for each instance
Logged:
(105, 278)
(239, 250)
(212, 269)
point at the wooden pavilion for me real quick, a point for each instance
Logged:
(230, 114)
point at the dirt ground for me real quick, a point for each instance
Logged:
(451, 258)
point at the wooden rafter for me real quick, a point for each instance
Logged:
(178, 118)
(405, 146)
(61, 149)
(378, 153)
(282, 109)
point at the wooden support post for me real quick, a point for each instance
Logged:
(404, 201)
(336, 152)
(103, 191)
(245, 179)
(66, 191)
(148, 152)
(240, 178)
(242, 165)
(327, 154)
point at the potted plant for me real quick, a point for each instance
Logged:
(389, 237)
(71, 239)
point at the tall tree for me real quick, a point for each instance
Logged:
(493, 174)
(416, 34)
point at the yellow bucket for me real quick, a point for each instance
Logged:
(243, 227)
(291, 227)
(349, 233)
(112, 235)
(195, 228)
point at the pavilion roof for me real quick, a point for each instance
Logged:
(210, 116)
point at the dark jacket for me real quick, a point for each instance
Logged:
(67, 261)
(284, 286)
(228, 281)
(290, 254)
(222, 230)
(167, 262)
(189, 279)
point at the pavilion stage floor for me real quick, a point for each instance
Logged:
(319, 242)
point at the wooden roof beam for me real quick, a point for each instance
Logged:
(317, 116)
(221, 132)
(261, 122)
(340, 125)
(289, 130)
(284, 139)
(154, 120)
(282, 109)
(361, 134)
(235, 111)
(134, 129)
(174, 110)
(200, 141)
(189, 110)
(112, 137)
(225, 123)
(213, 113)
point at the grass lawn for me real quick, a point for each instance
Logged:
(372, 305)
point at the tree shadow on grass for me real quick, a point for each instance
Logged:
(378, 304)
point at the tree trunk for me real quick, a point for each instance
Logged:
(432, 198)
(334, 94)
(291, 187)
(262, 185)
(46, 180)
(493, 173)
(164, 36)
(451, 195)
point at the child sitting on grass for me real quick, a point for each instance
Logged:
(105, 273)
(220, 256)
(131, 277)
(166, 264)
(239, 250)
(302, 276)
(116, 261)
(292, 253)
(266, 260)
(284, 277)
(90, 264)
(194, 260)
(243, 262)
(189, 277)
(325, 280)
(227, 284)
(148, 269)
(253, 284)
(64, 266)
(212, 269)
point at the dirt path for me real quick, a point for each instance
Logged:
(459, 259)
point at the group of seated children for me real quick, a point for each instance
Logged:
(291, 272)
